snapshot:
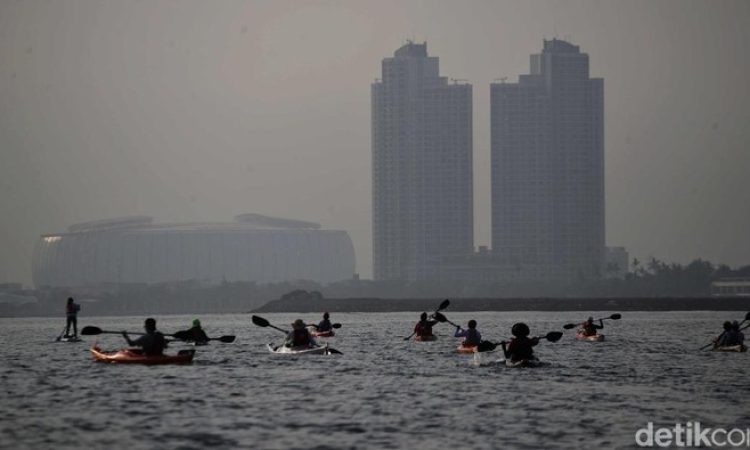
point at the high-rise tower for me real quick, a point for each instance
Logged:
(422, 185)
(548, 167)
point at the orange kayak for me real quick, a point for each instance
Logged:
(134, 356)
(425, 338)
(466, 348)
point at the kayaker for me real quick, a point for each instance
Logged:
(325, 324)
(588, 328)
(520, 347)
(195, 333)
(424, 326)
(299, 336)
(726, 336)
(471, 336)
(71, 314)
(152, 343)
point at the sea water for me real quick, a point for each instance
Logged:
(383, 392)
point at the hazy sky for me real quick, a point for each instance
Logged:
(198, 111)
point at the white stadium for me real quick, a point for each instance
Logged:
(135, 250)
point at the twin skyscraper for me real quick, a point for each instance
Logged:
(547, 157)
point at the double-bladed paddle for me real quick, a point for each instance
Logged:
(441, 318)
(612, 317)
(444, 304)
(261, 322)
(487, 346)
(747, 317)
(94, 331)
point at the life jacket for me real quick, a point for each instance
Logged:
(152, 343)
(301, 338)
(472, 337)
(520, 348)
(588, 329)
(324, 325)
(423, 328)
(72, 309)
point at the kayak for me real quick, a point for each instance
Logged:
(730, 348)
(281, 349)
(328, 333)
(425, 338)
(466, 348)
(523, 363)
(594, 338)
(134, 356)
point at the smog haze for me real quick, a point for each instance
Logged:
(199, 111)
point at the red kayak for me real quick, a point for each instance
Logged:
(135, 356)
(425, 338)
(328, 333)
(594, 338)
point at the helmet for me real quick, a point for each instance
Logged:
(727, 325)
(326, 315)
(472, 323)
(590, 319)
(297, 324)
(423, 316)
(197, 323)
(520, 330)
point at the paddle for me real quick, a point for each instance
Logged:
(261, 322)
(94, 331)
(487, 346)
(612, 317)
(747, 317)
(59, 338)
(441, 318)
(444, 304)
(184, 336)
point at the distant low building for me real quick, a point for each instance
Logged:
(616, 262)
(135, 250)
(731, 287)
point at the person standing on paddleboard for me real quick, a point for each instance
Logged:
(471, 336)
(71, 314)
(520, 347)
(299, 336)
(588, 328)
(424, 327)
(152, 343)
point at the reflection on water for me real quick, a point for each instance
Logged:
(382, 393)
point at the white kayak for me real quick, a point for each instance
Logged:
(318, 350)
(595, 338)
(524, 363)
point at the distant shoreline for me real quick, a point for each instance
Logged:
(306, 304)
(508, 304)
